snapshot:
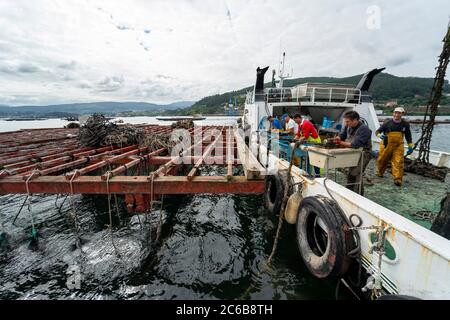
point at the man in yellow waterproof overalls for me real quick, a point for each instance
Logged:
(392, 149)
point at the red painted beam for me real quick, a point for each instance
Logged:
(134, 185)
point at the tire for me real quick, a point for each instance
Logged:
(274, 192)
(323, 252)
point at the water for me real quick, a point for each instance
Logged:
(212, 247)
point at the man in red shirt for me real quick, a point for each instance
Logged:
(305, 131)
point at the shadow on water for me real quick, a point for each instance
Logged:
(211, 247)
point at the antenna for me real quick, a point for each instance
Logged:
(281, 73)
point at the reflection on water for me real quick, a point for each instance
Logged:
(212, 246)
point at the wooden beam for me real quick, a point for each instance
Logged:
(252, 168)
(205, 154)
(133, 185)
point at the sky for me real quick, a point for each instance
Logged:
(65, 51)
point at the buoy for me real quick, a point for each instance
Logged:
(274, 193)
(323, 236)
(291, 211)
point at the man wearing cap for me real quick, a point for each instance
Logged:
(392, 149)
(290, 124)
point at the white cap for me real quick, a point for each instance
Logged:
(399, 109)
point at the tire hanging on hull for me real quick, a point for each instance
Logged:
(324, 237)
(274, 192)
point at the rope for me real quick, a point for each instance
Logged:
(110, 215)
(33, 228)
(287, 188)
(158, 232)
(73, 215)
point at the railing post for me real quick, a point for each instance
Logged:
(313, 96)
(346, 95)
(331, 91)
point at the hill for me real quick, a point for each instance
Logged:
(108, 108)
(412, 91)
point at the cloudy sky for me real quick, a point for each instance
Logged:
(62, 51)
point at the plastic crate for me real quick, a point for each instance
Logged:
(333, 158)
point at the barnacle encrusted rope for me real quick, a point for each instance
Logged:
(108, 175)
(33, 228)
(73, 215)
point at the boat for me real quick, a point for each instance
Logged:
(180, 118)
(398, 255)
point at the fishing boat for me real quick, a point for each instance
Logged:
(374, 248)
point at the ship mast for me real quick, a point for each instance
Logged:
(281, 72)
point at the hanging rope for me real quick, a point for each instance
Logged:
(34, 232)
(158, 230)
(287, 188)
(73, 215)
(108, 175)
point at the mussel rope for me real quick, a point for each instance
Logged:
(159, 228)
(73, 215)
(108, 175)
(287, 187)
(33, 228)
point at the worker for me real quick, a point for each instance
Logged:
(306, 132)
(355, 134)
(275, 124)
(392, 149)
(289, 124)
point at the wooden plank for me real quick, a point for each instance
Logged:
(230, 156)
(252, 168)
(207, 152)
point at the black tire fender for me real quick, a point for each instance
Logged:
(325, 254)
(274, 192)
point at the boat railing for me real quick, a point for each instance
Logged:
(311, 95)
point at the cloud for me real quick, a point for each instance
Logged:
(157, 51)
(399, 60)
(68, 65)
(110, 84)
(21, 68)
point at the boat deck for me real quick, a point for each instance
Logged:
(418, 199)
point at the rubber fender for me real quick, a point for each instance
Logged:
(291, 211)
(325, 253)
(274, 192)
